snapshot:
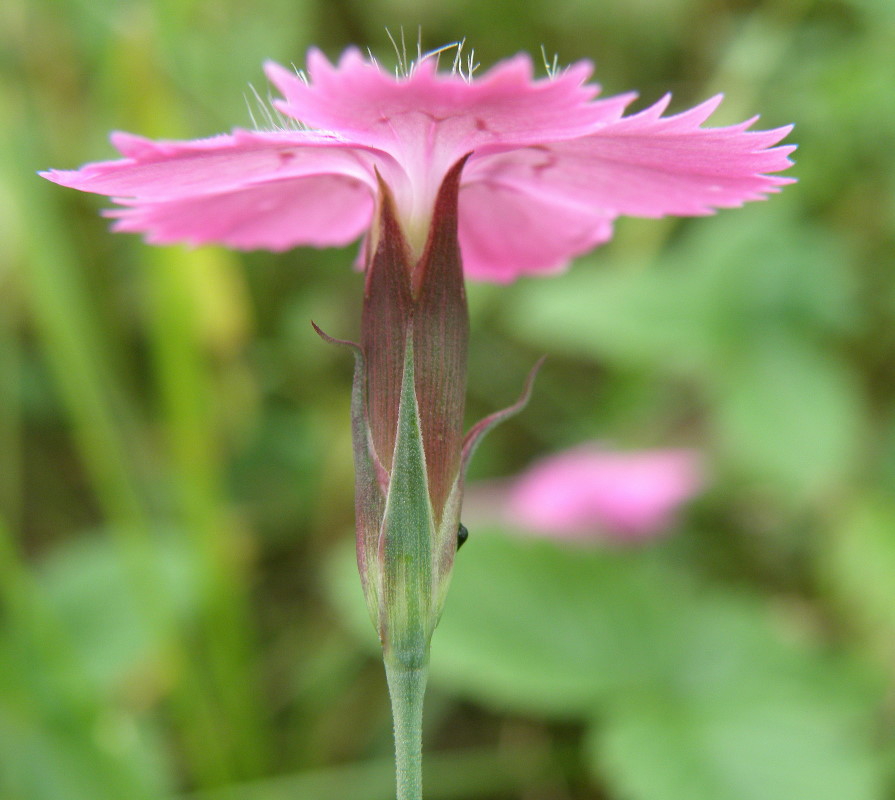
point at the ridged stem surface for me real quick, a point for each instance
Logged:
(407, 686)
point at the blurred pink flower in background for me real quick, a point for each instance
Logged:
(550, 166)
(590, 492)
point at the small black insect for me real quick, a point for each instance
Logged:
(462, 535)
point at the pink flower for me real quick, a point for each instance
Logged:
(592, 492)
(549, 171)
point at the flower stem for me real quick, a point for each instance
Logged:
(407, 685)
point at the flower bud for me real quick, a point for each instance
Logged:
(408, 433)
(407, 424)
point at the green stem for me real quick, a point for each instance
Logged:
(407, 686)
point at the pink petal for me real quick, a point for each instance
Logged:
(428, 120)
(319, 210)
(247, 189)
(550, 169)
(649, 166)
(592, 492)
(506, 231)
(166, 169)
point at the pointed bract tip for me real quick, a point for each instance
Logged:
(442, 244)
(386, 215)
(385, 228)
(332, 339)
(387, 206)
(477, 432)
(450, 185)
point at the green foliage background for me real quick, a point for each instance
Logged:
(180, 618)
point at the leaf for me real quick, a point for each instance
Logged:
(727, 283)
(616, 312)
(785, 413)
(89, 588)
(857, 567)
(746, 715)
(118, 759)
(73, 679)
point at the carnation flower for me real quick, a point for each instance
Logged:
(440, 175)
(550, 165)
(591, 492)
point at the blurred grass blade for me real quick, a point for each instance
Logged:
(184, 369)
(74, 347)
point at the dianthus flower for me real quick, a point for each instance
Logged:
(440, 175)
(592, 493)
(550, 166)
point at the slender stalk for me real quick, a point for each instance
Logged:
(407, 686)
